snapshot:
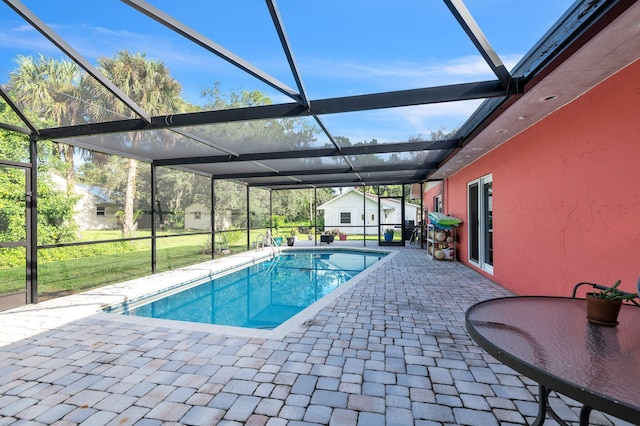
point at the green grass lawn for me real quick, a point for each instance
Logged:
(73, 275)
(111, 263)
(76, 275)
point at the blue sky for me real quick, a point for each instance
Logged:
(341, 48)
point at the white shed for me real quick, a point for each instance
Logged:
(197, 216)
(349, 212)
(94, 210)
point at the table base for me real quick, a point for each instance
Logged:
(544, 408)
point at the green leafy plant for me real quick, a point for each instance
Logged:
(278, 222)
(389, 231)
(615, 294)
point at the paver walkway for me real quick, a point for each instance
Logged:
(391, 350)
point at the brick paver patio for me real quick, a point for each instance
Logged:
(391, 350)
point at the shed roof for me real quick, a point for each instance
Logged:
(386, 202)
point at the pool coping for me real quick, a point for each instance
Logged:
(277, 333)
(91, 303)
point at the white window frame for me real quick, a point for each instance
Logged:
(437, 204)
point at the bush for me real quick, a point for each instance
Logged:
(11, 257)
(278, 222)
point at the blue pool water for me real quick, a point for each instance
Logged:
(259, 296)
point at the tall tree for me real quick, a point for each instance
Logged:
(55, 207)
(149, 84)
(54, 91)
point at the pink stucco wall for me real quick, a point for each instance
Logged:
(566, 194)
(430, 193)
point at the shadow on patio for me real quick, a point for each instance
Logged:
(391, 350)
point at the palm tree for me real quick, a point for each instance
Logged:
(150, 85)
(52, 92)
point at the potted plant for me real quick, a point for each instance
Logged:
(326, 237)
(388, 234)
(603, 306)
(343, 236)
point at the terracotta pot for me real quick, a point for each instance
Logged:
(601, 311)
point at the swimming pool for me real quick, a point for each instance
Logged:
(262, 295)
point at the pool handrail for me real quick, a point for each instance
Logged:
(265, 240)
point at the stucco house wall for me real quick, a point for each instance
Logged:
(566, 194)
(431, 191)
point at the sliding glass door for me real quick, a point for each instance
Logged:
(480, 222)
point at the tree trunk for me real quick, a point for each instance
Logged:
(128, 225)
(70, 172)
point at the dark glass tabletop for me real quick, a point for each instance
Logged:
(549, 340)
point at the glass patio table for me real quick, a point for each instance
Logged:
(549, 340)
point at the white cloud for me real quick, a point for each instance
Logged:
(26, 38)
(398, 124)
(327, 78)
(424, 119)
(468, 65)
(23, 28)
